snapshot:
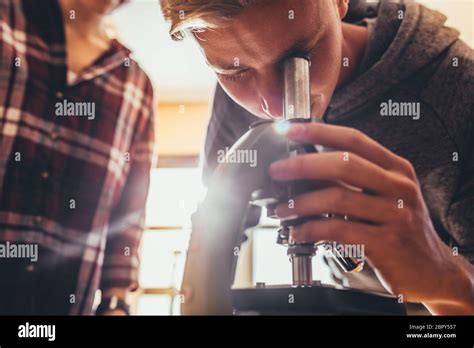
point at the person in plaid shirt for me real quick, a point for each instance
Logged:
(76, 148)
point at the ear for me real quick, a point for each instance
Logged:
(342, 7)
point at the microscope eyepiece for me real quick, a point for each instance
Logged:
(297, 98)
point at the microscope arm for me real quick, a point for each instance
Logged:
(219, 223)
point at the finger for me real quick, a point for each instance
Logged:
(338, 200)
(350, 139)
(340, 231)
(357, 171)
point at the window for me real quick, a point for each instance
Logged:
(173, 196)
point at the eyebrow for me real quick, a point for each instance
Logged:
(300, 47)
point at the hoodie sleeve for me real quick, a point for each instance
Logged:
(460, 218)
(455, 78)
(229, 121)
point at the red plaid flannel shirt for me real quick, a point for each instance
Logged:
(74, 185)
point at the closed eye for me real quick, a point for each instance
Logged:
(234, 76)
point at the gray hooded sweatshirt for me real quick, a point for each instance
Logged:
(414, 94)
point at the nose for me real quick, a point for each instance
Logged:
(270, 91)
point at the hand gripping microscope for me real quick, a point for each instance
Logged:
(219, 224)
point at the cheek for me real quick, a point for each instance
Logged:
(243, 93)
(325, 71)
(103, 6)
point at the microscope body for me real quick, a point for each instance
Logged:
(220, 222)
(219, 227)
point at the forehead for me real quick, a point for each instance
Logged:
(261, 32)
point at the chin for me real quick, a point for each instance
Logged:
(105, 7)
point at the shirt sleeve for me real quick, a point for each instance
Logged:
(228, 122)
(121, 259)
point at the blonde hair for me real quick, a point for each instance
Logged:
(198, 15)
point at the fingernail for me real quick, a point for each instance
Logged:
(295, 230)
(289, 217)
(284, 213)
(280, 211)
(277, 167)
(294, 233)
(296, 130)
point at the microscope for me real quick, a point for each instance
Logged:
(219, 224)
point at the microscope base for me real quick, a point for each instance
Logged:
(315, 300)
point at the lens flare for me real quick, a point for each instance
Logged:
(281, 127)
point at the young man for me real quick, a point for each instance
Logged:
(396, 87)
(76, 139)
